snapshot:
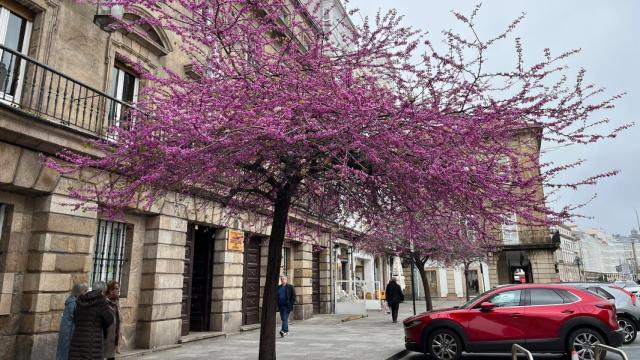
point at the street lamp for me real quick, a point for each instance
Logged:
(106, 16)
(413, 284)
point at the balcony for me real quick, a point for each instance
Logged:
(29, 86)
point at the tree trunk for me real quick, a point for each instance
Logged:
(269, 297)
(425, 281)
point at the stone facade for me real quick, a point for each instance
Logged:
(47, 245)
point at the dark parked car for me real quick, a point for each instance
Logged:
(542, 318)
(627, 311)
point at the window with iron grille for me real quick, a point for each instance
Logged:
(109, 253)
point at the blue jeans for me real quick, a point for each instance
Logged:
(284, 316)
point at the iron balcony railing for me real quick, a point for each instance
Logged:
(51, 95)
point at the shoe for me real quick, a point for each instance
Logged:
(281, 333)
(285, 334)
(395, 321)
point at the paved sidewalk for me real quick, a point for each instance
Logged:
(322, 337)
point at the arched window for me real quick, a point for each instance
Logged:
(146, 34)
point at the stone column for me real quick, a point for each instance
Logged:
(264, 258)
(59, 256)
(302, 265)
(228, 267)
(159, 316)
(451, 285)
(325, 281)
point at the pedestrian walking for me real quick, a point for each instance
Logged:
(394, 297)
(112, 342)
(92, 319)
(67, 323)
(286, 299)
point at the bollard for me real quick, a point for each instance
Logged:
(517, 349)
(602, 350)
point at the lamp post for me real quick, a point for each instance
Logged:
(578, 263)
(413, 284)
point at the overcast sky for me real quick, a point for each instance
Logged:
(608, 32)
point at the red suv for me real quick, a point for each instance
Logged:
(542, 318)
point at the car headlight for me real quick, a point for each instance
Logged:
(412, 323)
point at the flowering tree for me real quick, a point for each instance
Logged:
(282, 120)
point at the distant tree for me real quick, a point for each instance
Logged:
(280, 121)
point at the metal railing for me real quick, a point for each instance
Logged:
(51, 95)
(517, 349)
(602, 350)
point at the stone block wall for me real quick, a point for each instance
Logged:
(159, 313)
(326, 299)
(543, 266)
(228, 267)
(59, 256)
(13, 263)
(131, 279)
(302, 265)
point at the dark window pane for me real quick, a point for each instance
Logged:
(545, 297)
(567, 296)
(128, 90)
(10, 64)
(506, 298)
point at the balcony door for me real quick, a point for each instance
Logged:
(124, 87)
(15, 32)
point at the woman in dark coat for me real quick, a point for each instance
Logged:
(93, 317)
(67, 323)
(394, 297)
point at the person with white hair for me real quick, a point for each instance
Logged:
(67, 324)
(394, 296)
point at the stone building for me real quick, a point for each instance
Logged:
(568, 257)
(527, 249)
(184, 267)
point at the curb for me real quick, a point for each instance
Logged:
(399, 355)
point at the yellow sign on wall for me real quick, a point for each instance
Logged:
(235, 241)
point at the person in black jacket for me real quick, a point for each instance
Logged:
(92, 319)
(286, 299)
(394, 297)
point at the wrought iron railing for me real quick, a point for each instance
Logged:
(51, 95)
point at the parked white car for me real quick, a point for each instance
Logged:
(630, 286)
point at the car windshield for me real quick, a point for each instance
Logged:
(468, 303)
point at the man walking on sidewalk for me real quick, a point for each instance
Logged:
(394, 297)
(286, 299)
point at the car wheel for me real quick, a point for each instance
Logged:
(583, 341)
(444, 344)
(630, 330)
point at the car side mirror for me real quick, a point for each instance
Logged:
(486, 306)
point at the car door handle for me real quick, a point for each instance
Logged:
(516, 314)
(567, 311)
